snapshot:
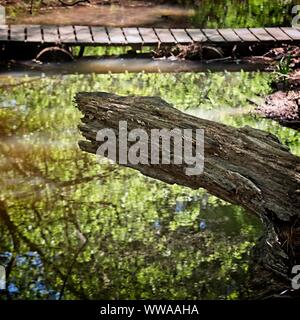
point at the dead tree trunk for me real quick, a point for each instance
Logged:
(244, 166)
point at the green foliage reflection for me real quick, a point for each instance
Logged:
(102, 231)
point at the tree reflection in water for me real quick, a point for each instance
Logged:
(72, 228)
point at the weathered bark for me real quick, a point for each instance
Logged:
(245, 166)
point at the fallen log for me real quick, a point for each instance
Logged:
(245, 166)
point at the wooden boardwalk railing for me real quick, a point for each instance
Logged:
(92, 35)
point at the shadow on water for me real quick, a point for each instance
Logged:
(72, 228)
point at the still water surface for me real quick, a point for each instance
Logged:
(72, 228)
(175, 14)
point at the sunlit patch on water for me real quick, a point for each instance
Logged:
(111, 16)
(99, 65)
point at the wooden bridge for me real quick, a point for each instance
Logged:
(103, 36)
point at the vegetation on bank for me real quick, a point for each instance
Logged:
(283, 104)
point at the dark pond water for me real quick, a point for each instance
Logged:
(72, 228)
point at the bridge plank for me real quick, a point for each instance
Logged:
(50, 34)
(148, 35)
(34, 33)
(17, 32)
(246, 35)
(197, 35)
(262, 34)
(181, 36)
(100, 35)
(292, 32)
(229, 35)
(4, 32)
(67, 34)
(83, 34)
(213, 35)
(278, 34)
(132, 35)
(164, 35)
(116, 35)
